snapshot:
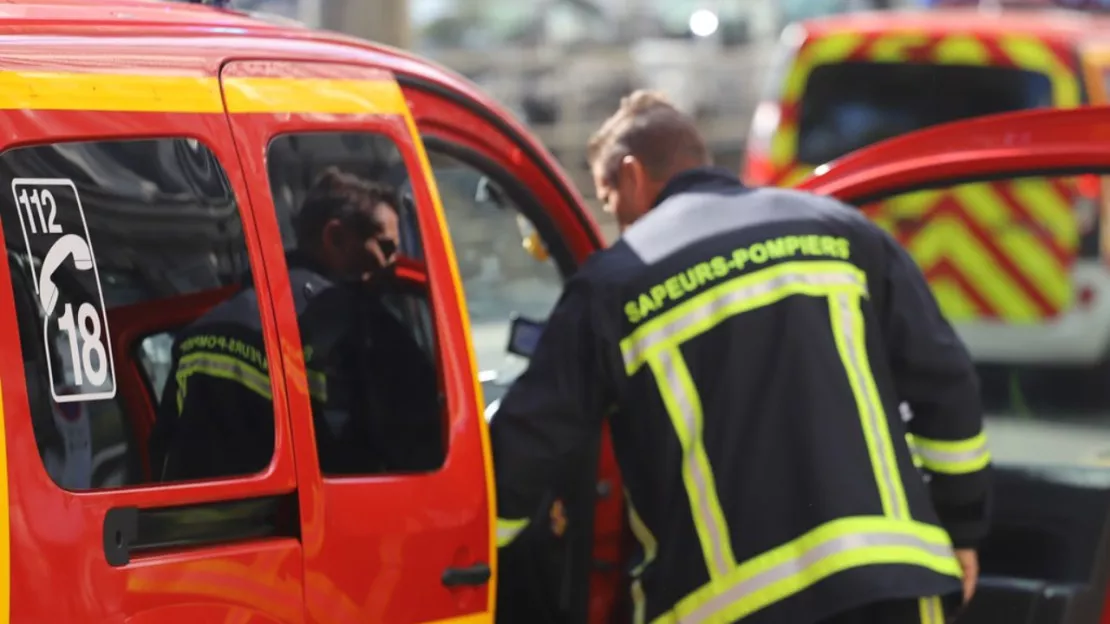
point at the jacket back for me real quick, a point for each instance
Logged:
(757, 422)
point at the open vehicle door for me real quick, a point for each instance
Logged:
(1044, 382)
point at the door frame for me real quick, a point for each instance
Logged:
(448, 109)
(351, 96)
(1039, 142)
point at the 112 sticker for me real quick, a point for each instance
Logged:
(75, 332)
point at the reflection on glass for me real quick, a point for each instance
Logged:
(364, 310)
(93, 229)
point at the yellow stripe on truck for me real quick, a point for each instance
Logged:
(312, 95)
(109, 92)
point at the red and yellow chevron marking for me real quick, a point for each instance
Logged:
(1000, 250)
(993, 250)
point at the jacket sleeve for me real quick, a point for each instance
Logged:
(554, 407)
(934, 374)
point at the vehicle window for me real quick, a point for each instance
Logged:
(846, 106)
(501, 277)
(1000, 257)
(95, 226)
(355, 256)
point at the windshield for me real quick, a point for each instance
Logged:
(850, 105)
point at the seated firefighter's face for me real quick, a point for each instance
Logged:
(350, 226)
(364, 245)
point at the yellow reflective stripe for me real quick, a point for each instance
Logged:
(848, 331)
(642, 534)
(650, 548)
(233, 369)
(224, 367)
(639, 602)
(930, 610)
(507, 530)
(961, 50)
(833, 547)
(911, 442)
(953, 456)
(317, 385)
(741, 294)
(684, 407)
(1030, 53)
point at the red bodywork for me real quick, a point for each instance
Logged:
(368, 547)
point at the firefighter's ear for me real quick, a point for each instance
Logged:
(631, 173)
(333, 234)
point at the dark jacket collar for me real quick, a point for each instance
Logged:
(699, 178)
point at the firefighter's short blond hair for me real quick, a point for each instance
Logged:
(652, 129)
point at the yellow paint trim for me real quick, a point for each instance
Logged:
(464, 320)
(311, 95)
(475, 618)
(5, 528)
(109, 92)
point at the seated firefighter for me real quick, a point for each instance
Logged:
(374, 390)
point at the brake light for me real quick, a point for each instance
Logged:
(1089, 186)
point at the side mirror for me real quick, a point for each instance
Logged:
(487, 193)
(524, 335)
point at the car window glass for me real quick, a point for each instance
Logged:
(504, 266)
(1005, 261)
(356, 265)
(95, 227)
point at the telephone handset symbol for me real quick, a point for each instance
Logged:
(66, 246)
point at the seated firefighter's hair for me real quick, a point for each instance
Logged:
(336, 194)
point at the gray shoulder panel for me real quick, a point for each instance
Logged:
(685, 219)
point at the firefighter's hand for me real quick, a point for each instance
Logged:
(969, 562)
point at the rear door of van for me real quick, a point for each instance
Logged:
(844, 90)
(125, 216)
(392, 458)
(1047, 555)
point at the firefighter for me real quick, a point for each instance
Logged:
(216, 416)
(751, 348)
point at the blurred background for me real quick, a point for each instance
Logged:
(562, 65)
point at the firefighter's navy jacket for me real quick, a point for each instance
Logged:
(753, 348)
(374, 391)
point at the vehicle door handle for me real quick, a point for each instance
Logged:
(477, 574)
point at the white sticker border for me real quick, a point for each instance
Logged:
(107, 334)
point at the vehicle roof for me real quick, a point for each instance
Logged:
(186, 33)
(1049, 23)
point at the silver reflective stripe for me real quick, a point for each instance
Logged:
(870, 407)
(803, 566)
(937, 458)
(721, 563)
(726, 297)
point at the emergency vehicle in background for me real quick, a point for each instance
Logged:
(153, 159)
(1020, 267)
